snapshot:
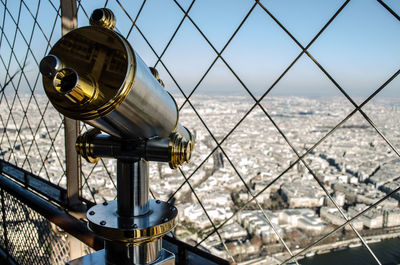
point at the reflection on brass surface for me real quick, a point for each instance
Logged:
(83, 146)
(180, 149)
(105, 222)
(176, 150)
(139, 236)
(102, 56)
(76, 88)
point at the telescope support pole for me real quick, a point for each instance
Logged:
(132, 187)
(117, 254)
(132, 225)
(132, 200)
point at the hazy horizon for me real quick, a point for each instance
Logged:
(359, 49)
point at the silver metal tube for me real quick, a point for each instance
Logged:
(117, 254)
(147, 111)
(132, 188)
(147, 253)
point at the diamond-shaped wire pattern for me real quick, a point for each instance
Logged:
(263, 162)
(32, 131)
(28, 237)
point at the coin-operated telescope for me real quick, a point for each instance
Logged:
(92, 74)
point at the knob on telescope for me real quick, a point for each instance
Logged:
(103, 17)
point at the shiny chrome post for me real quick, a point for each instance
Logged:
(128, 254)
(147, 253)
(132, 188)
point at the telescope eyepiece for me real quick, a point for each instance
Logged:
(65, 80)
(49, 66)
(77, 89)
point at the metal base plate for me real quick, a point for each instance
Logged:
(99, 258)
(105, 222)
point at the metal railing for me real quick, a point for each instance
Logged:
(43, 246)
(38, 225)
(37, 145)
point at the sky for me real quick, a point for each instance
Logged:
(359, 49)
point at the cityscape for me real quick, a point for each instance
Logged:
(354, 166)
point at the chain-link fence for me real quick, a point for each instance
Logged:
(295, 109)
(32, 131)
(28, 237)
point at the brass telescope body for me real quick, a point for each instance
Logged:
(114, 90)
(92, 74)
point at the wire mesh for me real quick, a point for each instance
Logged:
(256, 150)
(28, 237)
(32, 135)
